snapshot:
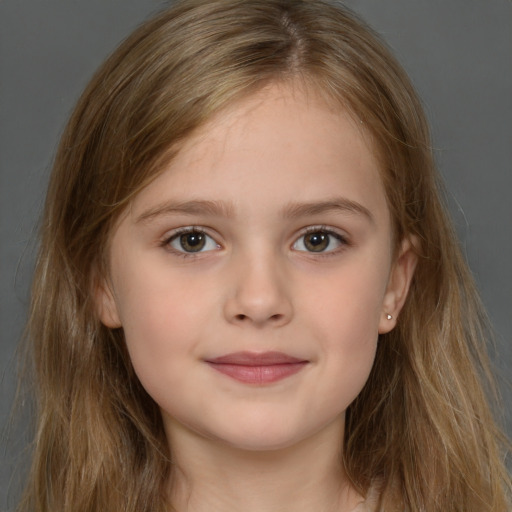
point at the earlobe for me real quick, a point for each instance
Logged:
(398, 285)
(106, 306)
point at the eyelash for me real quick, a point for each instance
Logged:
(166, 243)
(343, 241)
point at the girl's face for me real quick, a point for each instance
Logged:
(253, 276)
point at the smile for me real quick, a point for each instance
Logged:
(257, 368)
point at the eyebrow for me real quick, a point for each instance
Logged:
(195, 207)
(224, 209)
(335, 205)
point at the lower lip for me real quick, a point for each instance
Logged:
(265, 374)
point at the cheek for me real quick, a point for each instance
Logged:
(162, 320)
(349, 358)
(351, 351)
(347, 305)
(345, 315)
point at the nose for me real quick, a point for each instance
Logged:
(258, 293)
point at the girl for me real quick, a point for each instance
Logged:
(248, 294)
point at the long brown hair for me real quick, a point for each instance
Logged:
(421, 430)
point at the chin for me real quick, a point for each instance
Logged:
(262, 443)
(259, 438)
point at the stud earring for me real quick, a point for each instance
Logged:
(389, 317)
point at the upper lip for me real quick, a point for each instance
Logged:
(256, 359)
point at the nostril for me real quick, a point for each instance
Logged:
(274, 318)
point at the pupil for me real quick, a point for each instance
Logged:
(192, 242)
(317, 242)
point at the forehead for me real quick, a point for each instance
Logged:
(283, 143)
(308, 113)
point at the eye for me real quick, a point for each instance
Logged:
(319, 240)
(192, 241)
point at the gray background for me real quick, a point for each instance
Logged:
(458, 53)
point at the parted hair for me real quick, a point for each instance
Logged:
(422, 430)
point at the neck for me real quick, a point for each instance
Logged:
(210, 475)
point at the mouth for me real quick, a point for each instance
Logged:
(257, 368)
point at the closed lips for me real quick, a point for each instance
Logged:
(257, 368)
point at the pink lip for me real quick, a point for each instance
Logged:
(257, 368)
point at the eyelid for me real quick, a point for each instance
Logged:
(340, 236)
(336, 233)
(169, 237)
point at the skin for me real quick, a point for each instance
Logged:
(254, 180)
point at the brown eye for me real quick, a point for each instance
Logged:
(317, 241)
(192, 242)
(320, 240)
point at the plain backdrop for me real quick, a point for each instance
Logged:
(457, 52)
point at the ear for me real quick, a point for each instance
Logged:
(106, 306)
(398, 284)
